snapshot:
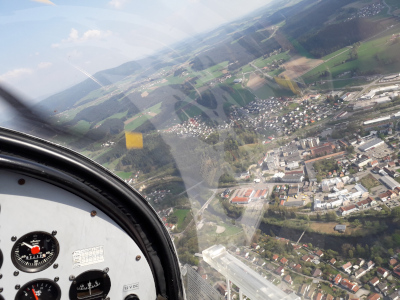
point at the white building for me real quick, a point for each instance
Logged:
(371, 144)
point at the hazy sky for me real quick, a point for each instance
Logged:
(49, 45)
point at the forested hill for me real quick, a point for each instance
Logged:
(66, 99)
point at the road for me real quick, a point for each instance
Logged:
(259, 70)
(389, 12)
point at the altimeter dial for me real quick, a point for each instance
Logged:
(35, 251)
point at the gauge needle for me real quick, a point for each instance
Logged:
(90, 290)
(36, 297)
(29, 246)
(34, 249)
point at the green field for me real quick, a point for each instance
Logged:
(114, 116)
(377, 56)
(335, 53)
(124, 175)
(300, 49)
(247, 68)
(143, 117)
(338, 84)
(369, 181)
(394, 4)
(267, 91)
(187, 110)
(261, 62)
(181, 214)
(81, 127)
(137, 122)
(242, 97)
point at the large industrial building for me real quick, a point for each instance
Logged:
(250, 283)
(371, 144)
(377, 120)
(389, 182)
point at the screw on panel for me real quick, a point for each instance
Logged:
(16, 273)
(17, 287)
(55, 266)
(106, 270)
(56, 279)
(54, 232)
(21, 181)
(13, 238)
(93, 213)
(138, 258)
(71, 277)
(1, 276)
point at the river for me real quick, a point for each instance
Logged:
(324, 241)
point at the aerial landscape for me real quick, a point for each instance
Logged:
(276, 136)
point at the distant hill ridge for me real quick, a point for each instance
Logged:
(66, 99)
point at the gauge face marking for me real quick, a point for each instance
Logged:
(90, 288)
(40, 289)
(35, 251)
(93, 284)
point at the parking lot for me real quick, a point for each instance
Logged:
(378, 152)
(392, 203)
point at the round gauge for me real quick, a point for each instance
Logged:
(1, 258)
(93, 284)
(39, 289)
(35, 251)
(1, 297)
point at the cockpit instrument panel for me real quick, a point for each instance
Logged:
(50, 233)
(72, 230)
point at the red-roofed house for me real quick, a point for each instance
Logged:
(306, 258)
(349, 285)
(373, 163)
(283, 260)
(347, 210)
(318, 296)
(332, 261)
(396, 270)
(297, 268)
(288, 279)
(374, 296)
(337, 279)
(346, 267)
(319, 253)
(280, 271)
(393, 262)
(316, 273)
(275, 257)
(382, 272)
(374, 281)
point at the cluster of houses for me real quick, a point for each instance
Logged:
(367, 11)
(347, 279)
(157, 196)
(260, 114)
(164, 214)
(195, 127)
